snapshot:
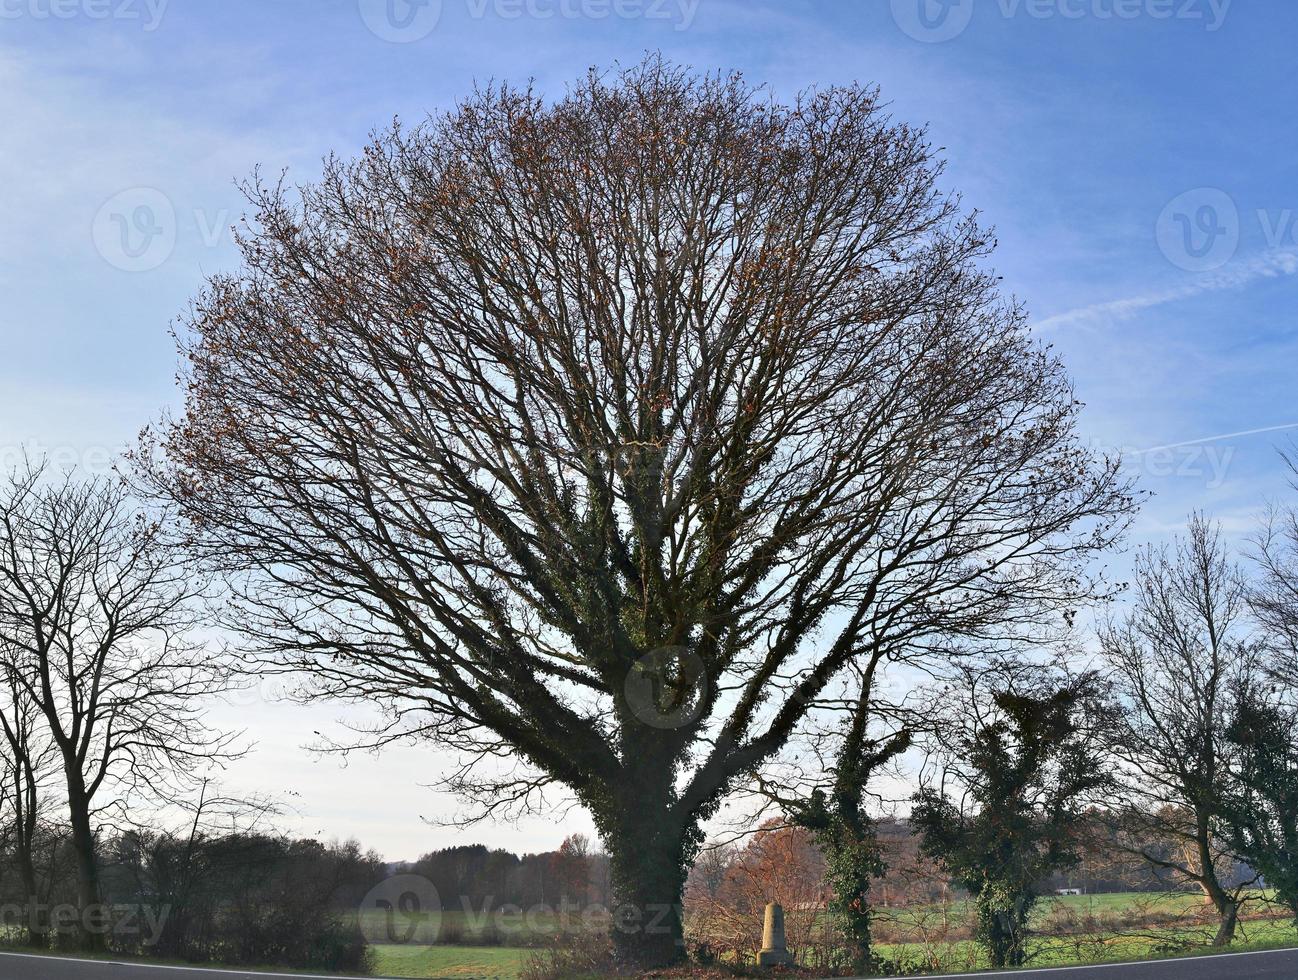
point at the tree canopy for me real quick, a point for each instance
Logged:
(603, 433)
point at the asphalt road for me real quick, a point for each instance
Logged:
(1277, 965)
(14, 966)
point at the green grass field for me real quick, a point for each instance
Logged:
(1083, 929)
(1168, 904)
(1100, 948)
(1151, 930)
(450, 962)
(1155, 926)
(501, 963)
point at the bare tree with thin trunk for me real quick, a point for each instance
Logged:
(602, 434)
(96, 609)
(1175, 660)
(29, 760)
(1275, 593)
(833, 799)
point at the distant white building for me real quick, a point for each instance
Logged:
(1067, 891)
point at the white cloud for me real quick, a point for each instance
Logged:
(1267, 265)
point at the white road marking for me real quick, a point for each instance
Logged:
(226, 971)
(1109, 966)
(322, 976)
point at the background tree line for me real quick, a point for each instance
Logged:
(236, 897)
(575, 875)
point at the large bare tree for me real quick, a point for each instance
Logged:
(96, 609)
(1176, 659)
(600, 435)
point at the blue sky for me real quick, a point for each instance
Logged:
(1138, 159)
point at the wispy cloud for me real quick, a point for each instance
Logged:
(1220, 437)
(1268, 265)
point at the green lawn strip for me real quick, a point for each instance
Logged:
(1093, 915)
(450, 962)
(1057, 951)
(537, 927)
(1166, 904)
(505, 957)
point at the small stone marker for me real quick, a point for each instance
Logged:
(774, 952)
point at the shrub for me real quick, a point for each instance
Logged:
(578, 957)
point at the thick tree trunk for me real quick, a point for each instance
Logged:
(91, 925)
(1225, 904)
(1003, 928)
(649, 847)
(1229, 913)
(647, 866)
(852, 865)
(853, 908)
